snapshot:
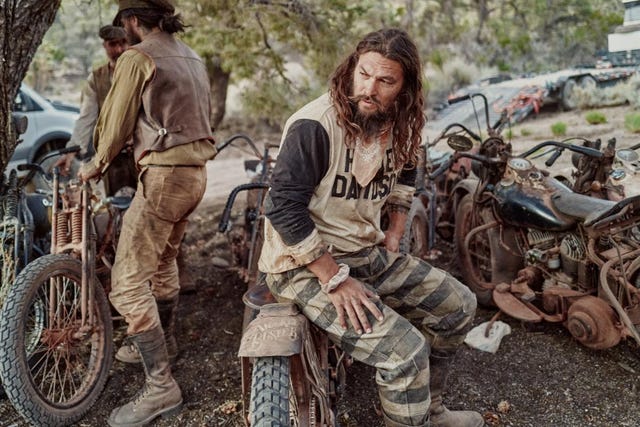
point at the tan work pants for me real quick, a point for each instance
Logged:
(145, 267)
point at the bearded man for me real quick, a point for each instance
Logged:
(342, 157)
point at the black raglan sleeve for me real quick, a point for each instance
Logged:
(302, 162)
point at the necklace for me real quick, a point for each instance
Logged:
(369, 152)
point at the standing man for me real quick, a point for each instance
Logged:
(122, 171)
(160, 98)
(342, 157)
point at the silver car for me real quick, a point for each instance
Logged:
(49, 128)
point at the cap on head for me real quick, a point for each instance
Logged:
(161, 5)
(110, 32)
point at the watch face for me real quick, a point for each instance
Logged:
(519, 164)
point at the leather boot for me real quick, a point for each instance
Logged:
(439, 415)
(187, 284)
(160, 394)
(128, 353)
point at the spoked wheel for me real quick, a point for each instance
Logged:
(491, 256)
(415, 240)
(54, 368)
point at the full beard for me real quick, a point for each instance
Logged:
(371, 124)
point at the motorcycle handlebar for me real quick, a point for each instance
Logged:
(223, 226)
(551, 160)
(588, 151)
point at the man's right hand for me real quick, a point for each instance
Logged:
(64, 163)
(351, 297)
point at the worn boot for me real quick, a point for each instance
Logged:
(128, 353)
(439, 415)
(187, 284)
(160, 394)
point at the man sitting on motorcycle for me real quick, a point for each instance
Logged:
(342, 157)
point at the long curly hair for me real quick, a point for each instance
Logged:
(393, 44)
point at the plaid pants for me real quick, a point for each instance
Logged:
(424, 308)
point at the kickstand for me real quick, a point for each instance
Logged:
(491, 322)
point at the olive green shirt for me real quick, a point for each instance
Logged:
(119, 116)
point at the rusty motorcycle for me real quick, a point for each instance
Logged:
(539, 251)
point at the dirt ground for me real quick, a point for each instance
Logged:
(539, 376)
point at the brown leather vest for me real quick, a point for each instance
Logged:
(102, 80)
(176, 105)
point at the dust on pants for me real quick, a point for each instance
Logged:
(145, 267)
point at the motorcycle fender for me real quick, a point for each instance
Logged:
(278, 330)
(467, 185)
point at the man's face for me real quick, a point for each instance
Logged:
(114, 48)
(131, 28)
(377, 81)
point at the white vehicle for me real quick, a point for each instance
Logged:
(49, 128)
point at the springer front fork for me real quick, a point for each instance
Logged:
(73, 233)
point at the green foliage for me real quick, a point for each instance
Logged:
(559, 129)
(632, 122)
(525, 132)
(254, 40)
(595, 117)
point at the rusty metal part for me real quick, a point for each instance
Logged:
(555, 299)
(594, 323)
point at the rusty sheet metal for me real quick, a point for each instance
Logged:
(279, 330)
(514, 307)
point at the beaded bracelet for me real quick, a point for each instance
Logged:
(337, 279)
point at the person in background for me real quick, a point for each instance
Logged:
(160, 98)
(342, 157)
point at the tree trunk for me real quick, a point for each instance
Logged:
(219, 81)
(23, 24)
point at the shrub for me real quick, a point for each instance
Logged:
(508, 134)
(559, 129)
(595, 118)
(525, 132)
(632, 122)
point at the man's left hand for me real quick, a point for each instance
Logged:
(89, 171)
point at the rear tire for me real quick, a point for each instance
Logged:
(52, 371)
(415, 239)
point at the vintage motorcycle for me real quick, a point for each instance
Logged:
(291, 373)
(56, 324)
(541, 252)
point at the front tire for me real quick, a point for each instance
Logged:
(270, 392)
(53, 370)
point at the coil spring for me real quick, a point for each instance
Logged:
(76, 226)
(62, 228)
(11, 196)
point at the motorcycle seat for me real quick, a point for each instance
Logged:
(581, 207)
(616, 208)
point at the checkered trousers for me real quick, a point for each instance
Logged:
(424, 308)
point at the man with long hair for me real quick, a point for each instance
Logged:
(160, 98)
(342, 157)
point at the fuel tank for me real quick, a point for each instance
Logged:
(524, 198)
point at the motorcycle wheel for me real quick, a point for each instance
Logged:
(415, 240)
(475, 260)
(52, 371)
(270, 392)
